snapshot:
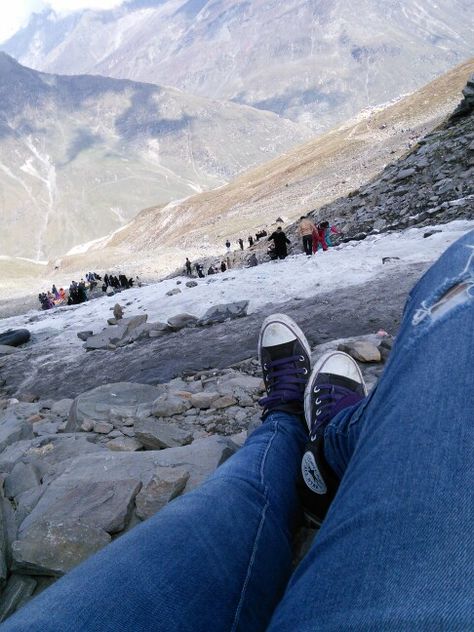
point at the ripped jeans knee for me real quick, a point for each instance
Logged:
(454, 292)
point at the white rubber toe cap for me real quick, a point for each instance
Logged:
(339, 363)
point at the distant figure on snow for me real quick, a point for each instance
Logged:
(280, 240)
(250, 240)
(241, 243)
(211, 270)
(223, 267)
(253, 260)
(227, 245)
(188, 267)
(306, 230)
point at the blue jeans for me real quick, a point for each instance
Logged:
(396, 550)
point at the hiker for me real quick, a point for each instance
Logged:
(188, 267)
(211, 270)
(280, 240)
(199, 270)
(305, 229)
(250, 240)
(241, 243)
(253, 261)
(223, 266)
(328, 234)
(227, 245)
(54, 291)
(394, 551)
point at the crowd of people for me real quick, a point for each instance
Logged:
(78, 292)
(314, 237)
(199, 268)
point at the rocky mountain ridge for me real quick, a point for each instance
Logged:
(314, 62)
(79, 156)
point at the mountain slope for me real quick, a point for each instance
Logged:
(312, 61)
(308, 177)
(79, 156)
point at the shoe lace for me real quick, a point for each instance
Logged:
(330, 400)
(284, 383)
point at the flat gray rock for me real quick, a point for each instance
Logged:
(54, 549)
(182, 320)
(170, 404)
(23, 477)
(13, 426)
(7, 349)
(103, 504)
(124, 444)
(156, 435)
(362, 350)
(48, 454)
(226, 311)
(112, 402)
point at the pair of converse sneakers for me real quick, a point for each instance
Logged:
(334, 383)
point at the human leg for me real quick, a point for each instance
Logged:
(395, 551)
(217, 558)
(307, 244)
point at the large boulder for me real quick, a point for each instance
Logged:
(227, 311)
(112, 402)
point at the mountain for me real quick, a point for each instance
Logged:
(313, 61)
(351, 175)
(80, 155)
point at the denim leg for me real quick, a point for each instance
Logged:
(396, 551)
(215, 559)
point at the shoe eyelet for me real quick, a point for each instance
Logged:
(318, 412)
(305, 371)
(316, 390)
(318, 401)
(265, 366)
(301, 358)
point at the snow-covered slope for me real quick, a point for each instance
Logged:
(274, 282)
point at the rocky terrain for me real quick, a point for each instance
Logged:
(315, 62)
(433, 182)
(80, 156)
(364, 164)
(79, 472)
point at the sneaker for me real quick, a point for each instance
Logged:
(335, 383)
(285, 356)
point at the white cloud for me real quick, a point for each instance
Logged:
(14, 14)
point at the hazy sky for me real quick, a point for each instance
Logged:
(15, 13)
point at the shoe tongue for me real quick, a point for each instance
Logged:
(340, 380)
(281, 351)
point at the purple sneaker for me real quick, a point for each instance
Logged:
(335, 383)
(285, 357)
